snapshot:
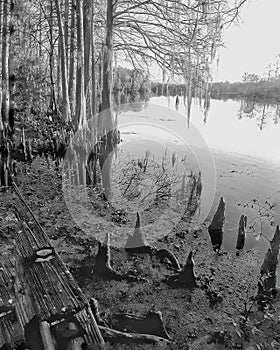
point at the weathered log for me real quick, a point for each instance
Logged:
(152, 324)
(186, 278)
(51, 291)
(216, 227)
(241, 233)
(46, 335)
(113, 336)
(103, 267)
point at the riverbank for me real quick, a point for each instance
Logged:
(195, 320)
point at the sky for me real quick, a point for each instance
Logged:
(252, 44)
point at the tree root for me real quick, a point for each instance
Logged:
(167, 254)
(103, 267)
(113, 336)
(136, 244)
(129, 328)
(151, 324)
(95, 310)
(185, 278)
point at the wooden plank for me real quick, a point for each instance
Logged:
(54, 294)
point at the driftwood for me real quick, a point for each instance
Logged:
(151, 324)
(113, 336)
(216, 227)
(186, 278)
(241, 233)
(136, 244)
(103, 267)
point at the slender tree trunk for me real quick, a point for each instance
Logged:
(1, 40)
(53, 104)
(40, 33)
(5, 63)
(80, 117)
(72, 59)
(66, 32)
(63, 65)
(93, 70)
(58, 79)
(87, 16)
(105, 122)
(107, 60)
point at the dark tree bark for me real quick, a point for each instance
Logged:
(270, 263)
(241, 233)
(216, 227)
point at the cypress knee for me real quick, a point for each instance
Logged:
(216, 227)
(241, 233)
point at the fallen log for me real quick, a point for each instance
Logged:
(113, 336)
(186, 278)
(49, 291)
(241, 234)
(216, 227)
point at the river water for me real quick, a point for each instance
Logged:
(235, 147)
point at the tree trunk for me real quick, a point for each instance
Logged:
(66, 32)
(80, 117)
(5, 63)
(105, 121)
(53, 104)
(63, 65)
(93, 71)
(72, 59)
(87, 17)
(108, 64)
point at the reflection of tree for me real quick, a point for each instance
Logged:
(142, 184)
(127, 102)
(261, 112)
(277, 115)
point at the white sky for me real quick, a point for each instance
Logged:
(253, 44)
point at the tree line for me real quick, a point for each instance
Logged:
(252, 86)
(59, 58)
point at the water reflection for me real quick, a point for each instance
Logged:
(260, 111)
(243, 136)
(127, 102)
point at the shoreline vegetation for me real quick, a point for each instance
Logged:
(103, 249)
